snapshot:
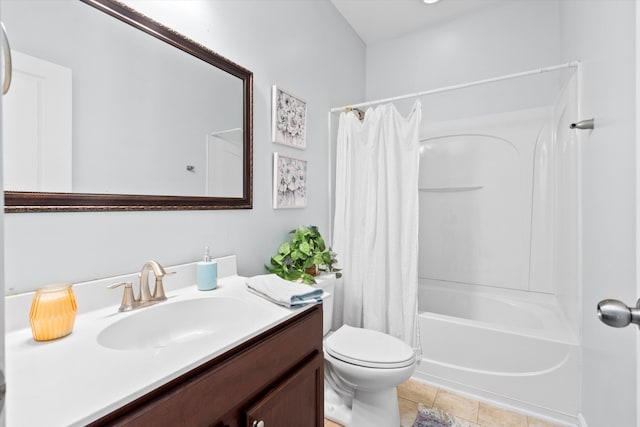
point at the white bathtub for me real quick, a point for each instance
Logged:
(510, 348)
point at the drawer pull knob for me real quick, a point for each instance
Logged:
(258, 423)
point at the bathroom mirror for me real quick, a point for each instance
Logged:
(138, 117)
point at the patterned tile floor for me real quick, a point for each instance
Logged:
(476, 414)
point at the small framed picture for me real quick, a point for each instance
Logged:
(289, 182)
(288, 119)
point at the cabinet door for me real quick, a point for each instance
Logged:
(296, 401)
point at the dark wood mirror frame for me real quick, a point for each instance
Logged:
(19, 201)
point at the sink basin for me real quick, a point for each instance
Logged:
(171, 323)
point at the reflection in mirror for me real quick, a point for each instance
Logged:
(224, 160)
(104, 115)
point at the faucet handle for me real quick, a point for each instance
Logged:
(128, 298)
(158, 290)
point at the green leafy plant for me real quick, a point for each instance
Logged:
(303, 256)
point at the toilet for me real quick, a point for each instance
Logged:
(362, 369)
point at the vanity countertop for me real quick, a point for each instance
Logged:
(75, 380)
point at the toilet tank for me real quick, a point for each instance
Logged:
(327, 283)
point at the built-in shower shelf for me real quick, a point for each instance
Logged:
(450, 189)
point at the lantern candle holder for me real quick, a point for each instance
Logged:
(53, 312)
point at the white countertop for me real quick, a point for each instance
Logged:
(75, 380)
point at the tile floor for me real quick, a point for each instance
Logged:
(472, 412)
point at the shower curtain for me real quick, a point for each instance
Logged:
(376, 220)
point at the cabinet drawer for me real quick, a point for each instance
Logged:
(204, 395)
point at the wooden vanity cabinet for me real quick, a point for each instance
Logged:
(276, 377)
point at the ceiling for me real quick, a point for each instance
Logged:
(379, 20)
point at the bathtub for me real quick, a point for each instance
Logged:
(509, 348)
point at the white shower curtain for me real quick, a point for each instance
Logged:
(376, 220)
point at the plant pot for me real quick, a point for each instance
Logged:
(313, 270)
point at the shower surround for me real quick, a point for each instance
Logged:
(499, 259)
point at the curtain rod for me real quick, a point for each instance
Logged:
(573, 64)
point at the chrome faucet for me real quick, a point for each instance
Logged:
(145, 298)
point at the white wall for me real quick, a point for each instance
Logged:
(601, 33)
(515, 37)
(2, 282)
(282, 42)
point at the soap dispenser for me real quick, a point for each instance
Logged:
(207, 272)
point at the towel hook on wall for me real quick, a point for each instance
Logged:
(583, 124)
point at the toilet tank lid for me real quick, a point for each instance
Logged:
(366, 347)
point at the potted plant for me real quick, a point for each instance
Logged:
(304, 256)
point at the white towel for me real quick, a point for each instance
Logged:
(283, 292)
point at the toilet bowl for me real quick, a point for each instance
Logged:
(362, 369)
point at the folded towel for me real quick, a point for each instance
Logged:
(283, 292)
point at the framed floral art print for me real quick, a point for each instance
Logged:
(288, 119)
(289, 182)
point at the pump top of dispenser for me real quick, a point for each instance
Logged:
(207, 257)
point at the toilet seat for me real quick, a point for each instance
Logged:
(368, 348)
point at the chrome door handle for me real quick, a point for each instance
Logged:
(617, 314)
(3, 390)
(6, 56)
